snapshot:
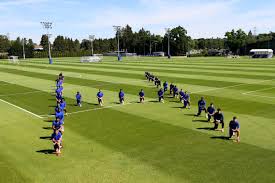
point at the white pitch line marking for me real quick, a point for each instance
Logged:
(23, 93)
(22, 109)
(258, 90)
(98, 108)
(232, 86)
(262, 96)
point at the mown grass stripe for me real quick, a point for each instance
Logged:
(253, 107)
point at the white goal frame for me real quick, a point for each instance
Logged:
(91, 59)
(13, 59)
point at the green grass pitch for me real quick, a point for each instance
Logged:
(151, 142)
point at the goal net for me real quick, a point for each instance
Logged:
(91, 59)
(13, 59)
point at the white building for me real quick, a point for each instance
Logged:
(261, 53)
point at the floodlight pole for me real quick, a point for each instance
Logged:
(150, 46)
(117, 29)
(48, 26)
(24, 55)
(168, 30)
(92, 38)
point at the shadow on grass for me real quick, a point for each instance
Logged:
(47, 128)
(206, 128)
(200, 120)
(46, 138)
(177, 107)
(189, 114)
(154, 101)
(220, 137)
(46, 151)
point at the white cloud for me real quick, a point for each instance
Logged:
(20, 2)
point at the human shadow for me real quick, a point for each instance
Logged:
(178, 107)
(154, 101)
(46, 138)
(200, 120)
(189, 114)
(46, 151)
(220, 137)
(206, 128)
(47, 128)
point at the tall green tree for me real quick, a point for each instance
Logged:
(235, 40)
(4, 44)
(179, 41)
(44, 42)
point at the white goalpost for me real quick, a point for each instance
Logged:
(13, 59)
(91, 59)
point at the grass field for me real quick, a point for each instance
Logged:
(151, 142)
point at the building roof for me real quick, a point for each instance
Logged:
(262, 50)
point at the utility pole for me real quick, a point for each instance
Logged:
(168, 31)
(117, 29)
(24, 55)
(92, 38)
(150, 46)
(48, 26)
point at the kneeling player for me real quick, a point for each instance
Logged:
(78, 99)
(160, 95)
(218, 119)
(100, 97)
(141, 96)
(165, 86)
(202, 107)
(171, 88)
(211, 111)
(59, 114)
(57, 140)
(175, 92)
(121, 96)
(234, 129)
(181, 94)
(63, 105)
(58, 125)
(186, 101)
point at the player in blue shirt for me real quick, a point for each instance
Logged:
(211, 111)
(141, 96)
(234, 129)
(175, 92)
(78, 99)
(165, 86)
(59, 114)
(56, 109)
(58, 125)
(58, 98)
(160, 95)
(186, 100)
(63, 105)
(202, 106)
(181, 94)
(57, 140)
(99, 96)
(171, 88)
(219, 119)
(121, 96)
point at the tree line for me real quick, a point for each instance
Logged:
(142, 42)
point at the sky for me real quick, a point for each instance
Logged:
(80, 18)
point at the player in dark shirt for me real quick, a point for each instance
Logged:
(219, 119)
(234, 129)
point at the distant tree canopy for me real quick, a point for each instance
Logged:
(142, 42)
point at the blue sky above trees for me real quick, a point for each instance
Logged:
(79, 18)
